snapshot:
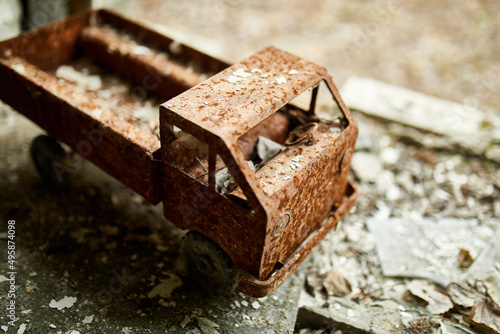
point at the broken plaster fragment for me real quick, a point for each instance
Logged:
(281, 80)
(66, 302)
(293, 72)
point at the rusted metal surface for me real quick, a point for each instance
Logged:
(260, 288)
(264, 221)
(236, 100)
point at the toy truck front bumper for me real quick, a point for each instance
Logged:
(259, 288)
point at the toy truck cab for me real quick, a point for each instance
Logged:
(266, 211)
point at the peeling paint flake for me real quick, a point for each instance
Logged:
(233, 79)
(141, 50)
(88, 319)
(19, 68)
(241, 73)
(281, 80)
(97, 113)
(21, 329)
(66, 302)
(166, 287)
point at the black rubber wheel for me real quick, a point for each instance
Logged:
(208, 265)
(49, 159)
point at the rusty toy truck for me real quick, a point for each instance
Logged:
(253, 159)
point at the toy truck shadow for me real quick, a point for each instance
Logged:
(242, 156)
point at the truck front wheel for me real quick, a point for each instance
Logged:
(49, 159)
(208, 265)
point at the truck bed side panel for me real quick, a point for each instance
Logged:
(108, 147)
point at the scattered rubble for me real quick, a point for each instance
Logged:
(420, 250)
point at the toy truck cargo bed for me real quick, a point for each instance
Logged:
(94, 82)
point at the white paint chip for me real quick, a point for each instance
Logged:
(233, 79)
(281, 80)
(66, 302)
(97, 113)
(21, 329)
(19, 68)
(241, 73)
(141, 50)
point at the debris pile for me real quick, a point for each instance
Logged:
(419, 253)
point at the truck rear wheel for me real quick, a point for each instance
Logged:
(49, 159)
(208, 265)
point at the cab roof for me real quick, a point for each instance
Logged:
(237, 99)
